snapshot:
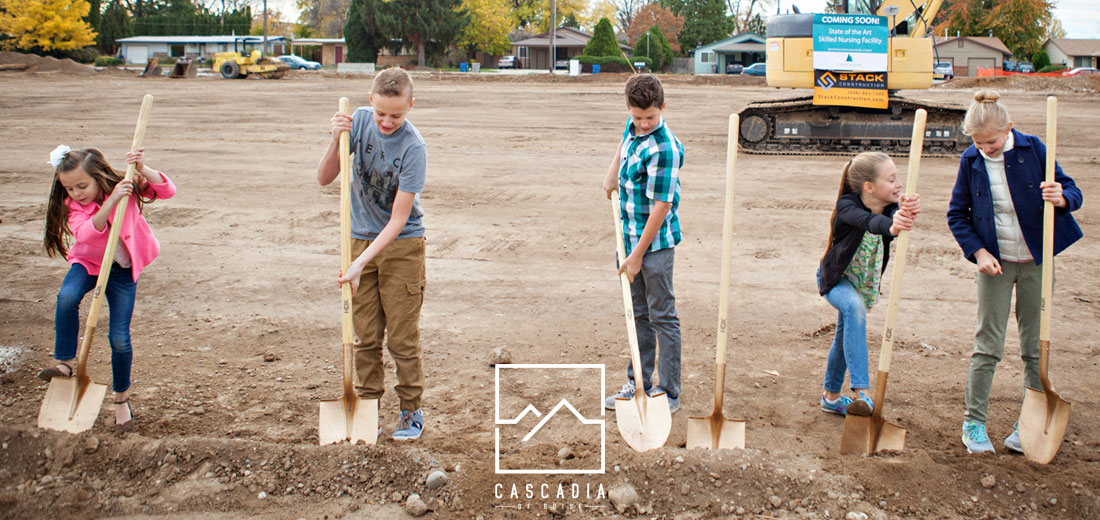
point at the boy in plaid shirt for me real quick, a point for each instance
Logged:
(646, 171)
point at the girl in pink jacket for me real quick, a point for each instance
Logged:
(82, 203)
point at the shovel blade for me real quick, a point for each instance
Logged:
(1043, 421)
(859, 436)
(715, 432)
(348, 419)
(69, 408)
(644, 422)
(890, 438)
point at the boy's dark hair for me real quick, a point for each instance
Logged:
(644, 91)
(393, 82)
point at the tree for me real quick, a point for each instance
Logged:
(535, 14)
(625, 10)
(757, 25)
(834, 6)
(654, 46)
(430, 26)
(114, 26)
(362, 33)
(1021, 24)
(705, 21)
(327, 18)
(1056, 30)
(603, 41)
(1040, 59)
(95, 15)
(654, 15)
(596, 10)
(490, 23)
(571, 21)
(46, 25)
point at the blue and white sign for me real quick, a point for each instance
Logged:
(851, 42)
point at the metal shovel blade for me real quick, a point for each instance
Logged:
(1043, 422)
(348, 419)
(861, 435)
(644, 422)
(71, 404)
(715, 432)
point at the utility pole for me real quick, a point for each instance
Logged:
(265, 28)
(553, 34)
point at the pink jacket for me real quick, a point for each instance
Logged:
(135, 234)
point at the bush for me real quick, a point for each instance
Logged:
(1052, 68)
(107, 61)
(84, 55)
(603, 41)
(610, 63)
(1040, 59)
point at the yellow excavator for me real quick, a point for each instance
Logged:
(242, 62)
(796, 126)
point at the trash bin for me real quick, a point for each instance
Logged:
(574, 67)
(463, 67)
(475, 66)
(595, 68)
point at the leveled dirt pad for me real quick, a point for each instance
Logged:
(236, 328)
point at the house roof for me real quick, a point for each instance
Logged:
(740, 47)
(736, 38)
(197, 39)
(992, 42)
(563, 37)
(315, 41)
(1076, 47)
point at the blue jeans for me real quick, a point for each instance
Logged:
(656, 322)
(849, 349)
(121, 292)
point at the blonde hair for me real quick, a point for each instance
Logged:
(861, 169)
(391, 82)
(986, 114)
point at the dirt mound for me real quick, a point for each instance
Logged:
(37, 63)
(603, 77)
(1088, 84)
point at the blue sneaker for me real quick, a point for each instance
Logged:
(1012, 442)
(673, 402)
(409, 426)
(862, 407)
(627, 392)
(975, 438)
(838, 406)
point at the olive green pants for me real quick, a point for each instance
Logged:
(391, 291)
(994, 307)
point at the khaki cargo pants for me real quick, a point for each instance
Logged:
(391, 291)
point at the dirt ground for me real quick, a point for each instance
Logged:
(519, 257)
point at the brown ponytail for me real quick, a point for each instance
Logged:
(861, 169)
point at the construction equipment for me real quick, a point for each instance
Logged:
(644, 421)
(245, 60)
(348, 418)
(184, 68)
(1045, 414)
(715, 431)
(872, 434)
(152, 69)
(795, 126)
(72, 403)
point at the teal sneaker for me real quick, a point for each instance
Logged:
(838, 406)
(975, 438)
(409, 426)
(861, 407)
(1012, 442)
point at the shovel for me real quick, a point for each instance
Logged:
(348, 418)
(72, 403)
(872, 434)
(1044, 415)
(715, 431)
(644, 421)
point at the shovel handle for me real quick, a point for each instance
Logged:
(112, 244)
(347, 326)
(628, 302)
(727, 266)
(916, 145)
(1048, 229)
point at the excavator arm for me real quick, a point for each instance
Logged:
(925, 10)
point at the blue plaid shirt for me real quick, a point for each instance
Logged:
(649, 171)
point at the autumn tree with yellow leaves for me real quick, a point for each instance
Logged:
(46, 25)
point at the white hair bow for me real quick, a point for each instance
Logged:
(58, 154)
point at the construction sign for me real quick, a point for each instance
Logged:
(850, 60)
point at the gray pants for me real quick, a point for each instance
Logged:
(656, 322)
(994, 307)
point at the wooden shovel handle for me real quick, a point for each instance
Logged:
(628, 302)
(1048, 223)
(347, 325)
(727, 264)
(112, 244)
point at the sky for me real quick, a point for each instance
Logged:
(1080, 18)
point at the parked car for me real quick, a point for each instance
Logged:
(299, 63)
(507, 62)
(1025, 66)
(1082, 70)
(561, 64)
(1009, 66)
(756, 69)
(734, 68)
(943, 70)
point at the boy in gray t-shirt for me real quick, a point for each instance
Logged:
(387, 230)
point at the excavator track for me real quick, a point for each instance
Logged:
(795, 126)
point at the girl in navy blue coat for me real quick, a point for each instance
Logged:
(996, 215)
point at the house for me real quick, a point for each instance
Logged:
(1073, 53)
(332, 50)
(138, 49)
(967, 53)
(745, 48)
(534, 52)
